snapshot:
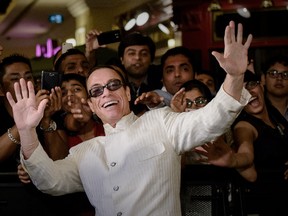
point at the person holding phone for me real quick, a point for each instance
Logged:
(72, 61)
(136, 165)
(12, 68)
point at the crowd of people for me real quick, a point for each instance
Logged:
(122, 132)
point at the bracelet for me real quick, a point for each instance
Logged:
(10, 136)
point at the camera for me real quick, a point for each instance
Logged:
(109, 37)
(50, 79)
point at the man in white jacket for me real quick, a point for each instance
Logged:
(135, 168)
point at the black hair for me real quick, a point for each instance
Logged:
(213, 75)
(250, 76)
(14, 58)
(280, 58)
(180, 50)
(207, 72)
(74, 76)
(136, 38)
(117, 69)
(196, 84)
(57, 61)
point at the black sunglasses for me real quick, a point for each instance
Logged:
(199, 102)
(251, 84)
(112, 85)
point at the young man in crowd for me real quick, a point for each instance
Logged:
(137, 52)
(177, 68)
(275, 75)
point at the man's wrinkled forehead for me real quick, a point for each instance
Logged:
(102, 75)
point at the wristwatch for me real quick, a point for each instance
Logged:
(52, 127)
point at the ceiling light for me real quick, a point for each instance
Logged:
(266, 4)
(163, 28)
(214, 6)
(142, 18)
(72, 41)
(171, 43)
(130, 24)
(56, 18)
(244, 12)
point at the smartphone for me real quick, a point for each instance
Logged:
(50, 79)
(66, 46)
(109, 37)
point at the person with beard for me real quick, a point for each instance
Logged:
(177, 68)
(137, 52)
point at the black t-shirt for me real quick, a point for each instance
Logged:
(10, 164)
(153, 81)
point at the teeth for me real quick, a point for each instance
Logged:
(109, 103)
(252, 98)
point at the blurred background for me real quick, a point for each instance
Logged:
(37, 28)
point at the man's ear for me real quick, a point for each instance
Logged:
(263, 79)
(90, 104)
(128, 94)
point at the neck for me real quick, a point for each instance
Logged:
(136, 82)
(87, 132)
(264, 116)
(280, 103)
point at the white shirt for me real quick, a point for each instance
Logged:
(135, 169)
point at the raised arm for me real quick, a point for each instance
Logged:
(92, 45)
(234, 60)
(27, 115)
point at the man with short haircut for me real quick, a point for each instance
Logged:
(276, 82)
(135, 168)
(137, 52)
(12, 69)
(177, 68)
(72, 61)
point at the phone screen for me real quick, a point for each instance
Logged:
(50, 79)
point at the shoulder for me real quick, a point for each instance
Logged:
(245, 129)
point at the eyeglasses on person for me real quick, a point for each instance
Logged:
(199, 102)
(251, 84)
(275, 74)
(112, 85)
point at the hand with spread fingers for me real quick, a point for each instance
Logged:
(27, 113)
(234, 60)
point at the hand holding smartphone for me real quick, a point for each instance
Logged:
(109, 37)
